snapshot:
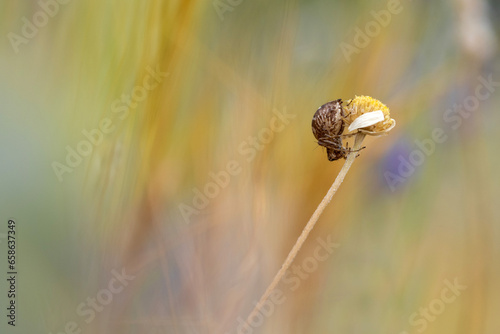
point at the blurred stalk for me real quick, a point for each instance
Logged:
(310, 225)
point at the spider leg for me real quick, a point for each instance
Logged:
(333, 144)
(339, 147)
(346, 135)
(345, 116)
(348, 150)
(330, 144)
(351, 150)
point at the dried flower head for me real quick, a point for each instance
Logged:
(367, 115)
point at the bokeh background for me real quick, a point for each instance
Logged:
(232, 67)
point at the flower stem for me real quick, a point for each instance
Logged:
(309, 226)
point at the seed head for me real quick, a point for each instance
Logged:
(376, 120)
(363, 115)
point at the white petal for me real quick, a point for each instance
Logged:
(367, 119)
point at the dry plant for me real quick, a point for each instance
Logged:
(365, 116)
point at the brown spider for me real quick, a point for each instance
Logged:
(327, 126)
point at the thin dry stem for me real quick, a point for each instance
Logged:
(310, 224)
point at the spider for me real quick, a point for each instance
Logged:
(327, 126)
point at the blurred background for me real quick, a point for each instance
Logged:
(167, 145)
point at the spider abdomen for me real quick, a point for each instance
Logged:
(328, 126)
